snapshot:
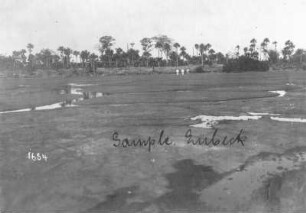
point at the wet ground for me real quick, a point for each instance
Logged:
(68, 125)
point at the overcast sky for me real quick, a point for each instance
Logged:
(79, 24)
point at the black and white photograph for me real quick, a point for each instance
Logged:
(152, 106)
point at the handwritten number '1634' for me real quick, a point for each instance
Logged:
(37, 156)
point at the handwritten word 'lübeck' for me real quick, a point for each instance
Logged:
(162, 140)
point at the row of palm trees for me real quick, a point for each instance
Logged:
(169, 53)
(267, 54)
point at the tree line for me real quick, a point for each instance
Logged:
(263, 53)
(169, 53)
(259, 57)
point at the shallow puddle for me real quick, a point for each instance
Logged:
(209, 121)
(290, 84)
(19, 110)
(261, 113)
(71, 89)
(281, 93)
(81, 85)
(296, 120)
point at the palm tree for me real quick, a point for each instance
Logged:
(253, 52)
(226, 57)
(264, 46)
(238, 50)
(207, 47)
(160, 42)
(288, 50)
(30, 56)
(253, 45)
(132, 59)
(253, 41)
(22, 54)
(15, 56)
(159, 47)
(167, 49)
(147, 56)
(106, 44)
(211, 54)
(220, 57)
(93, 58)
(146, 44)
(76, 54)
(275, 45)
(202, 51)
(245, 50)
(196, 46)
(177, 46)
(183, 52)
(46, 56)
(84, 56)
(67, 52)
(61, 50)
(30, 47)
(118, 56)
(266, 40)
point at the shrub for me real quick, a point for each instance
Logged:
(199, 69)
(244, 64)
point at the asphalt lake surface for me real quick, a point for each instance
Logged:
(72, 120)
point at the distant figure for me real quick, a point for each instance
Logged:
(182, 71)
(187, 71)
(177, 72)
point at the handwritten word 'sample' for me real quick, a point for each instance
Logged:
(148, 142)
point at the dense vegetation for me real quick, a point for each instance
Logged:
(259, 59)
(244, 64)
(169, 53)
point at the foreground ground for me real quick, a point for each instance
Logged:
(84, 172)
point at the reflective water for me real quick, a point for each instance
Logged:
(71, 89)
(81, 85)
(19, 110)
(281, 93)
(290, 84)
(209, 121)
(261, 113)
(298, 120)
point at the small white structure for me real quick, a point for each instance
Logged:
(187, 71)
(177, 72)
(182, 71)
